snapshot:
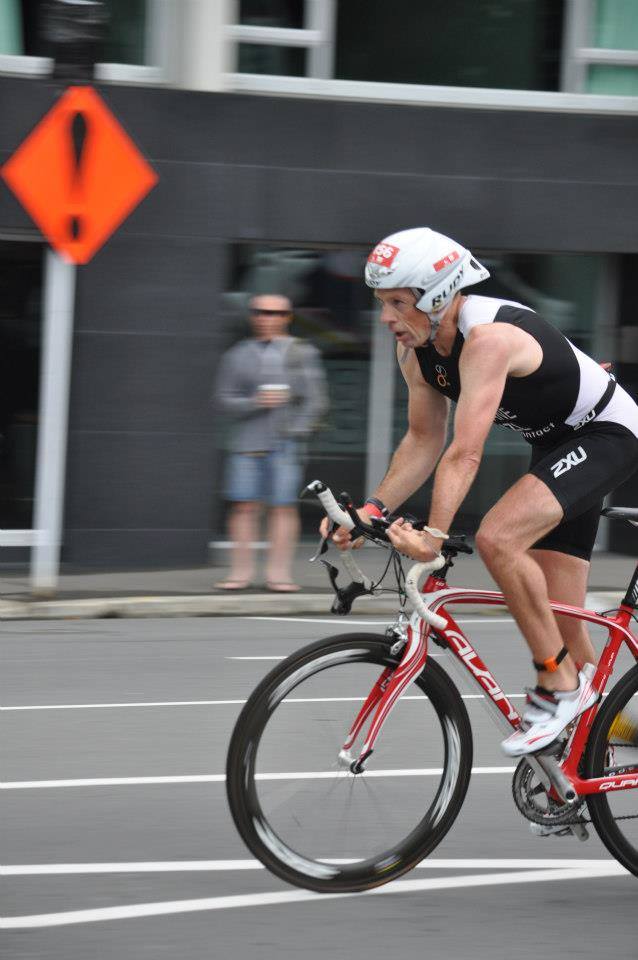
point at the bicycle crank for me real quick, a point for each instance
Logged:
(533, 801)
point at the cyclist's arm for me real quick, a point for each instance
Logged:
(416, 456)
(486, 359)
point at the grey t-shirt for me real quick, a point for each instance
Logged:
(252, 363)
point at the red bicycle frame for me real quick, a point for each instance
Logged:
(394, 681)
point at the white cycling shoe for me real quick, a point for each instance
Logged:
(547, 714)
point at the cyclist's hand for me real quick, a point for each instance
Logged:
(341, 537)
(413, 543)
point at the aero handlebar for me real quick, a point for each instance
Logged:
(350, 521)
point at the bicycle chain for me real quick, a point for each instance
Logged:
(559, 814)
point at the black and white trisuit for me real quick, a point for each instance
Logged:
(581, 424)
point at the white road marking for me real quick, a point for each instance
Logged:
(196, 866)
(221, 778)
(219, 703)
(105, 706)
(607, 869)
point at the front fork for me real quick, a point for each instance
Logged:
(386, 692)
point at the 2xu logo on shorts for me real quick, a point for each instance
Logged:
(573, 458)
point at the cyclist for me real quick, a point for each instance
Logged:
(501, 362)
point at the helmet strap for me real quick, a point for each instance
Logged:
(434, 318)
(435, 321)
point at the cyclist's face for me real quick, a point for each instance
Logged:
(410, 326)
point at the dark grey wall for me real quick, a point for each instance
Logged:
(140, 462)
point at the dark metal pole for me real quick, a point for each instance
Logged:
(73, 33)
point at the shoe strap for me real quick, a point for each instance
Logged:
(552, 663)
(541, 698)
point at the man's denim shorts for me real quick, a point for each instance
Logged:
(274, 477)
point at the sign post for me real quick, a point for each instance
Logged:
(55, 379)
(78, 175)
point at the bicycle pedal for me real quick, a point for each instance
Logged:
(577, 830)
(580, 831)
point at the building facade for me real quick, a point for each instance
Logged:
(281, 160)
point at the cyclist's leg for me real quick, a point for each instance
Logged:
(565, 483)
(566, 578)
(564, 556)
(513, 525)
(526, 513)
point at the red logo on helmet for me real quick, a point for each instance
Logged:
(383, 254)
(447, 260)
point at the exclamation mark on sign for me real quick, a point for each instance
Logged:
(78, 136)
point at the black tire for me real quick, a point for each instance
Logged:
(612, 813)
(453, 740)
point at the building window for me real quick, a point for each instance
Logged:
(21, 270)
(615, 28)
(270, 60)
(464, 43)
(126, 39)
(272, 13)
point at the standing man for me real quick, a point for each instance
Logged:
(272, 387)
(502, 363)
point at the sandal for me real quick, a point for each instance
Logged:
(232, 585)
(282, 586)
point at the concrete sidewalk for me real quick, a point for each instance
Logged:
(190, 592)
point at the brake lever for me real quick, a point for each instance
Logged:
(321, 549)
(324, 542)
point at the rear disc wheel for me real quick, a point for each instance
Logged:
(613, 748)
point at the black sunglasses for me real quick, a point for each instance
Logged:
(269, 313)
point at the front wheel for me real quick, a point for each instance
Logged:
(317, 825)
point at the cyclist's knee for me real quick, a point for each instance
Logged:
(492, 543)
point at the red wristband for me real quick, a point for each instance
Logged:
(372, 509)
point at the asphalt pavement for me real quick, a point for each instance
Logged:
(117, 841)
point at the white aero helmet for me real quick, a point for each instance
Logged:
(429, 263)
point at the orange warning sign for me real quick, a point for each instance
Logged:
(78, 174)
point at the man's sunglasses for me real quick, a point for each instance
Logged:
(269, 313)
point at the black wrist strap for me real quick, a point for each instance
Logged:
(552, 663)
